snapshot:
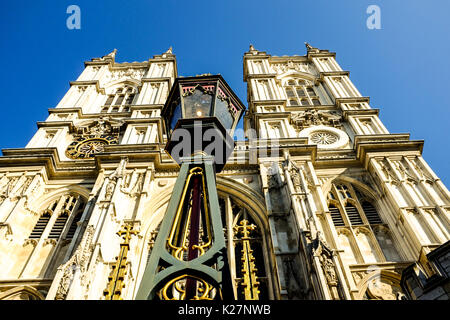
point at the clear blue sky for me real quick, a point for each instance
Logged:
(404, 67)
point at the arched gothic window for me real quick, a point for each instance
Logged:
(68, 208)
(301, 93)
(120, 100)
(39, 228)
(234, 216)
(356, 219)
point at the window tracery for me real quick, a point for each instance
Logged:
(67, 207)
(243, 245)
(353, 214)
(301, 93)
(234, 216)
(120, 100)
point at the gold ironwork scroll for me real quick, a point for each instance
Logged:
(116, 277)
(249, 281)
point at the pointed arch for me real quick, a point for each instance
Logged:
(379, 285)
(295, 74)
(244, 196)
(22, 293)
(68, 212)
(56, 194)
(368, 191)
(252, 200)
(111, 86)
(360, 211)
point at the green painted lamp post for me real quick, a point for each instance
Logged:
(189, 258)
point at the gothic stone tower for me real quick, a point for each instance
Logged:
(349, 204)
(338, 206)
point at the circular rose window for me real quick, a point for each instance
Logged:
(326, 137)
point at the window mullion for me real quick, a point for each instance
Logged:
(379, 251)
(358, 206)
(53, 218)
(71, 217)
(342, 207)
(308, 96)
(231, 251)
(353, 242)
(296, 95)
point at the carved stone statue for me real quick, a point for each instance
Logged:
(325, 255)
(329, 270)
(110, 189)
(310, 48)
(65, 283)
(100, 128)
(311, 117)
(295, 176)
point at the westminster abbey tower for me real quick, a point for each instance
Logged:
(338, 208)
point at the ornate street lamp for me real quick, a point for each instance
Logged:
(189, 258)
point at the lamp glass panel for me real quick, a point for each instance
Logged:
(222, 113)
(197, 105)
(175, 116)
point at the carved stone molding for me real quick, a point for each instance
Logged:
(79, 259)
(325, 255)
(133, 189)
(294, 172)
(162, 183)
(120, 172)
(290, 65)
(362, 230)
(312, 117)
(5, 230)
(52, 242)
(33, 242)
(383, 289)
(125, 74)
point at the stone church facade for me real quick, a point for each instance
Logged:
(342, 208)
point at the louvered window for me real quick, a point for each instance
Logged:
(336, 216)
(351, 208)
(58, 227)
(371, 213)
(353, 215)
(39, 228)
(109, 100)
(63, 214)
(290, 93)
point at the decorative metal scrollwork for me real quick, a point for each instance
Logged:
(249, 281)
(181, 235)
(116, 278)
(175, 289)
(188, 260)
